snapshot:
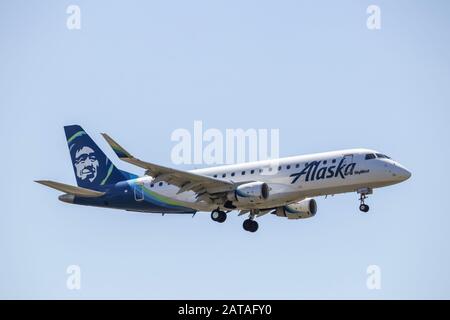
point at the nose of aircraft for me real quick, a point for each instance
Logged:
(401, 172)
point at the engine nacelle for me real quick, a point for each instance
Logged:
(249, 192)
(300, 210)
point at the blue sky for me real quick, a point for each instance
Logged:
(140, 69)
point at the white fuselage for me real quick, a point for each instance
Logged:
(293, 179)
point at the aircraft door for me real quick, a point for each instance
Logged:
(348, 158)
(139, 192)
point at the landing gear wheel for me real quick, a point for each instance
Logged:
(218, 216)
(250, 225)
(364, 207)
(363, 196)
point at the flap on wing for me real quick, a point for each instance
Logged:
(77, 191)
(184, 179)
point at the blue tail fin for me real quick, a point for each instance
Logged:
(92, 167)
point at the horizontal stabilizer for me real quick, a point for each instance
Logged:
(76, 191)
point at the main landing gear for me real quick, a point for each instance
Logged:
(250, 224)
(218, 216)
(363, 196)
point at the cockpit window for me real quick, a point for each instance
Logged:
(382, 156)
(370, 156)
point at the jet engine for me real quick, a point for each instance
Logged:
(249, 192)
(299, 210)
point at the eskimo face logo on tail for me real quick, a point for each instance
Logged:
(86, 163)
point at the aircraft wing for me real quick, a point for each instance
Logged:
(185, 180)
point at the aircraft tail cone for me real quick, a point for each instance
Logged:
(68, 198)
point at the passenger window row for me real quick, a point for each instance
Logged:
(288, 167)
(159, 184)
(252, 171)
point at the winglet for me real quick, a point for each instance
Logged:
(117, 148)
(124, 154)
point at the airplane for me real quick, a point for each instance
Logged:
(285, 187)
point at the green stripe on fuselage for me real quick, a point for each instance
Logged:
(161, 198)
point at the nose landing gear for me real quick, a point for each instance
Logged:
(363, 196)
(364, 207)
